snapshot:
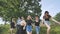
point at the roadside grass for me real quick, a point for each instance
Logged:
(55, 29)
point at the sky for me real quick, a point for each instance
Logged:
(1, 21)
(53, 6)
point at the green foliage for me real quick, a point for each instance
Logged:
(55, 29)
(57, 17)
(4, 29)
(16, 8)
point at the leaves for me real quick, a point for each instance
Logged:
(16, 8)
(57, 17)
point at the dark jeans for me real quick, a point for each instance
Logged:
(20, 30)
(18, 26)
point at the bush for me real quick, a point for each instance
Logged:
(4, 29)
(55, 29)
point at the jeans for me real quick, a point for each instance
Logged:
(37, 29)
(29, 28)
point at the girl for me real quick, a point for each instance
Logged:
(37, 23)
(46, 19)
(29, 25)
(12, 25)
(22, 26)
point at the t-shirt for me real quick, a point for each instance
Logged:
(37, 23)
(47, 18)
(12, 25)
(18, 21)
(29, 22)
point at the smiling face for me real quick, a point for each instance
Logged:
(46, 13)
(36, 17)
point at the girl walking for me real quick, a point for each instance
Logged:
(12, 25)
(29, 25)
(37, 23)
(46, 19)
(21, 29)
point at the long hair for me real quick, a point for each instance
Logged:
(29, 16)
(46, 12)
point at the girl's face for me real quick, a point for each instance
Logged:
(29, 17)
(36, 18)
(22, 18)
(46, 13)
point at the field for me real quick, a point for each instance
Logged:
(55, 29)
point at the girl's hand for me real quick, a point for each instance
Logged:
(59, 22)
(24, 28)
(56, 21)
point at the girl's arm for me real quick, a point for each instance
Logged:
(24, 25)
(55, 21)
(42, 20)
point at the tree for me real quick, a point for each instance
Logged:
(16, 8)
(34, 6)
(57, 17)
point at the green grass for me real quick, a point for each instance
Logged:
(4, 29)
(55, 29)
